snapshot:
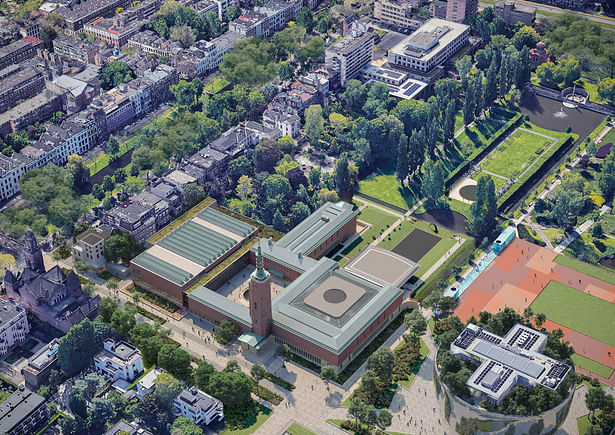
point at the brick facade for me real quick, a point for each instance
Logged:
(213, 316)
(340, 235)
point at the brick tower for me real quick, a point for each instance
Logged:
(260, 298)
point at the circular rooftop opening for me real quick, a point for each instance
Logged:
(334, 296)
(468, 192)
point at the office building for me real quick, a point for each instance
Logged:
(399, 13)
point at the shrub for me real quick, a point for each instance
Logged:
(597, 199)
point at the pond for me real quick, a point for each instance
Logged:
(468, 192)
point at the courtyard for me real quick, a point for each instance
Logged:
(237, 289)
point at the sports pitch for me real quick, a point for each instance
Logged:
(577, 310)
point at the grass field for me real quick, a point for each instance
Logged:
(433, 255)
(592, 366)
(577, 310)
(296, 429)
(385, 186)
(262, 416)
(585, 268)
(379, 220)
(516, 153)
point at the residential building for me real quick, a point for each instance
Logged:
(459, 11)
(40, 365)
(89, 248)
(29, 27)
(22, 85)
(423, 53)
(111, 30)
(11, 170)
(36, 109)
(19, 51)
(437, 9)
(13, 325)
(50, 295)
(75, 49)
(206, 165)
(346, 57)
(118, 107)
(539, 55)
(198, 406)
(203, 7)
(152, 88)
(122, 427)
(146, 384)
(513, 12)
(149, 42)
(235, 141)
(250, 23)
(570, 4)
(268, 19)
(118, 360)
(288, 122)
(399, 13)
(22, 412)
(262, 132)
(86, 12)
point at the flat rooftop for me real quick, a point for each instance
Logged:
(382, 267)
(317, 227)
(429, 39)
(509, 360)
(194, 246)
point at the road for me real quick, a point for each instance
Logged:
(559, 11)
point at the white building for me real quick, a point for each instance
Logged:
(118, 360)
(90, 248)
(288, 123)
(423, 53)
(146, 383)
(198, 406)
(14, 325)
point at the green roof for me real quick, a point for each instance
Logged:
(197, 243)
(317, 227)
(162, 268)
(227, 222)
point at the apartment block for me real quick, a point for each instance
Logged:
(19, 51)
(346, 57)
(198, 406)
(13, 325)
(398, 13)
(75, 49)
(22, 412)
(22, 85)
(118, 361)
(88, 11)
(460, 10)
(40, 365)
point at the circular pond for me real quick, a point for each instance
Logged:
(468, 192)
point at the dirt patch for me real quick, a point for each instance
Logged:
(416, 244)
(449, 219)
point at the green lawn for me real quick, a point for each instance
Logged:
(583, 423)
(577, 310)
(428, 260)
(585, 268)
(592, 366)
(296, 429)
(609, 137)
(385, 186)
(262, 416)
(516, 153)
(216, 85)
(417, 366)
(379, 220)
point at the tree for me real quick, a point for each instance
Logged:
(238, 167)
(357, 409)
(484, 210)
(123, 322)
(594, 400)
(251, 62)
(570, 71)
(102, 410)
(47, 35)
(606, 89)
(526, 36)
(202, 374)
(314, 123)
(469, 105)
(464, 65)
(78, 404)
(467, 426)
(106, 308)
(266, 155)
(385, 418)
(287, 145)
(187, 93)
(449, 121)
(114, 73)
(120, 176)
(381, 362)
(225, 332)
(278, 222)
(286, 71)
(183, 34)
(55, 20)
(328, 373)
(214, 24)
(606, 177)
(402, 169)
(185, 426)
(232, 388)
(343, 183)
(113, 146)
(540, 319)
(258, 373)
(354, 96)
(369, 383)
(80, 173)
(312, 51)
(108, 184)
(433, 181)
(193, 194)
(549, 74)
(77, 348)
(122, 246)
(176, 361)
(232, 13)
(305, 18)
(339, 122)
(416, 323)
(325, 22)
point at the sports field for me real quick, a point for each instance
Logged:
(577, 310)
(517, 153)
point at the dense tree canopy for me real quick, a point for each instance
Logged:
(114, 73)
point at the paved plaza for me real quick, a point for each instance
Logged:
(237, 288)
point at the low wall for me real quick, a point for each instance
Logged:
(500, 424)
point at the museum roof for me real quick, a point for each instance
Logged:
(381, 266)
(273, 251)
(221, 304)
(317, 227)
